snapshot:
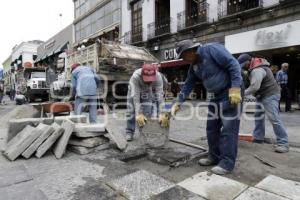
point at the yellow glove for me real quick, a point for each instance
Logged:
(164, 120)
(175, 108)
(235, 96)
(141, 119)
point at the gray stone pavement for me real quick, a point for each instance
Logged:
(89, 176)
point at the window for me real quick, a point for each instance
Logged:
(136, 21)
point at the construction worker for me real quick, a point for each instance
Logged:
(220, 73)
(145, 99)
(84, 86)
(267, 92)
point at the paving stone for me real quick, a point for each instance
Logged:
(21, 142)
(84, 150)
(153, 134)
(176, 193)
(61, 145)
(280, 186)
(141, 185)
(88, 142)
(117, 137)
(46, 131)
(13, 175)
(16, 125)
(47, 144)
(72, 118)
(213, 187)
(80, 127)
(24, 191)
(257, 194)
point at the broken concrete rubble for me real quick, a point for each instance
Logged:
(117, 137)
(88, 142)
(61, 145)
(21, 142)
(84, 134)
(58, 131)
(46, 132)
(85, 150)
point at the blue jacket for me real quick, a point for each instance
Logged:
(217, 69)
(84, 81)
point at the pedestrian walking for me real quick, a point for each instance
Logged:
(267, 92)
(282, 79)
(145, 99)
(220, 73)
(84, 86)
(1, 91)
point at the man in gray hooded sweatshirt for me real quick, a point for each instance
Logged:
(267, 92)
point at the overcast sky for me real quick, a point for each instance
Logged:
(23, 20)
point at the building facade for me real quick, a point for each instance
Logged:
(266, 28)
(96, 19)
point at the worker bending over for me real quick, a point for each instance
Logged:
(84, 86)
(267, 92)
(220, 73)
(145, 99)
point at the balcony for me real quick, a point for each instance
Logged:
(232, 7)
(159, 28)
(188, 19)
(131, 37)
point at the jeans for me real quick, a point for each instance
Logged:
(222, 131)
(91, 101)
(149, 109)
(269, 105)
(286, 95)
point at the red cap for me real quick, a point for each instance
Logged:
(149, 72)
(74, 66)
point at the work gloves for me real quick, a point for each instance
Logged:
(175, 108)
(235, 96)
(141, 119)
(164, 120)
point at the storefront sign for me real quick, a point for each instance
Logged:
(170, 54)
(279, 36)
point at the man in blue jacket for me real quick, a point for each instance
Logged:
(220, 73)
(84, 86)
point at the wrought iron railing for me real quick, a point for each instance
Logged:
(133, 36)
(187, 19)
(160, 27)
(230, 7)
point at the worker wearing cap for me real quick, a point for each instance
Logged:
(84, 86)
(267, 92)
(145, 98)
(220, 73)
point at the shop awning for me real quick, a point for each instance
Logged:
(173, 63)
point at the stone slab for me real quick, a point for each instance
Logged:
(258, 194)
(153, 134)
(61, 145)
(283, 187)
(117, 137)
(176, 193)
(16, 125)
(72, 118)
(21, 142)
(80, 127)
(47, 144)
(213, 187)
(13, 175)
(46, 131)
(141, 185)
(88, 142)
(24, 191)
(84, 134)
(84, 150)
